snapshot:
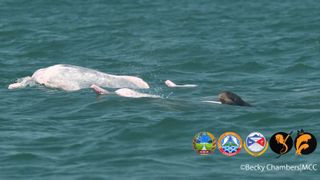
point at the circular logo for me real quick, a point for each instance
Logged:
(281, 143)
(204, 143)
(255, 144)
(305, 143)
(230, 143)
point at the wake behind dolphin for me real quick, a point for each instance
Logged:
(72, 78)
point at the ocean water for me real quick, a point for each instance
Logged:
(265, 51)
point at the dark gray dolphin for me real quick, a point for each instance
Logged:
(227, 97)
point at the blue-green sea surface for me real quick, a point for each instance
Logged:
(265, 51)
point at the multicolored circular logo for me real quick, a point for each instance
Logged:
(230, 143)
(255, 144)
(204, 143)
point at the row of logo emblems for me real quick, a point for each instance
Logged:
(230, 143)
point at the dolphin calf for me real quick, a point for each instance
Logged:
(72, 78)
(230, 98)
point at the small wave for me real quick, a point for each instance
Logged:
(24, 157)
(251, 67)
(298, 68)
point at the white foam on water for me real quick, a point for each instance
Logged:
(214, 102)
